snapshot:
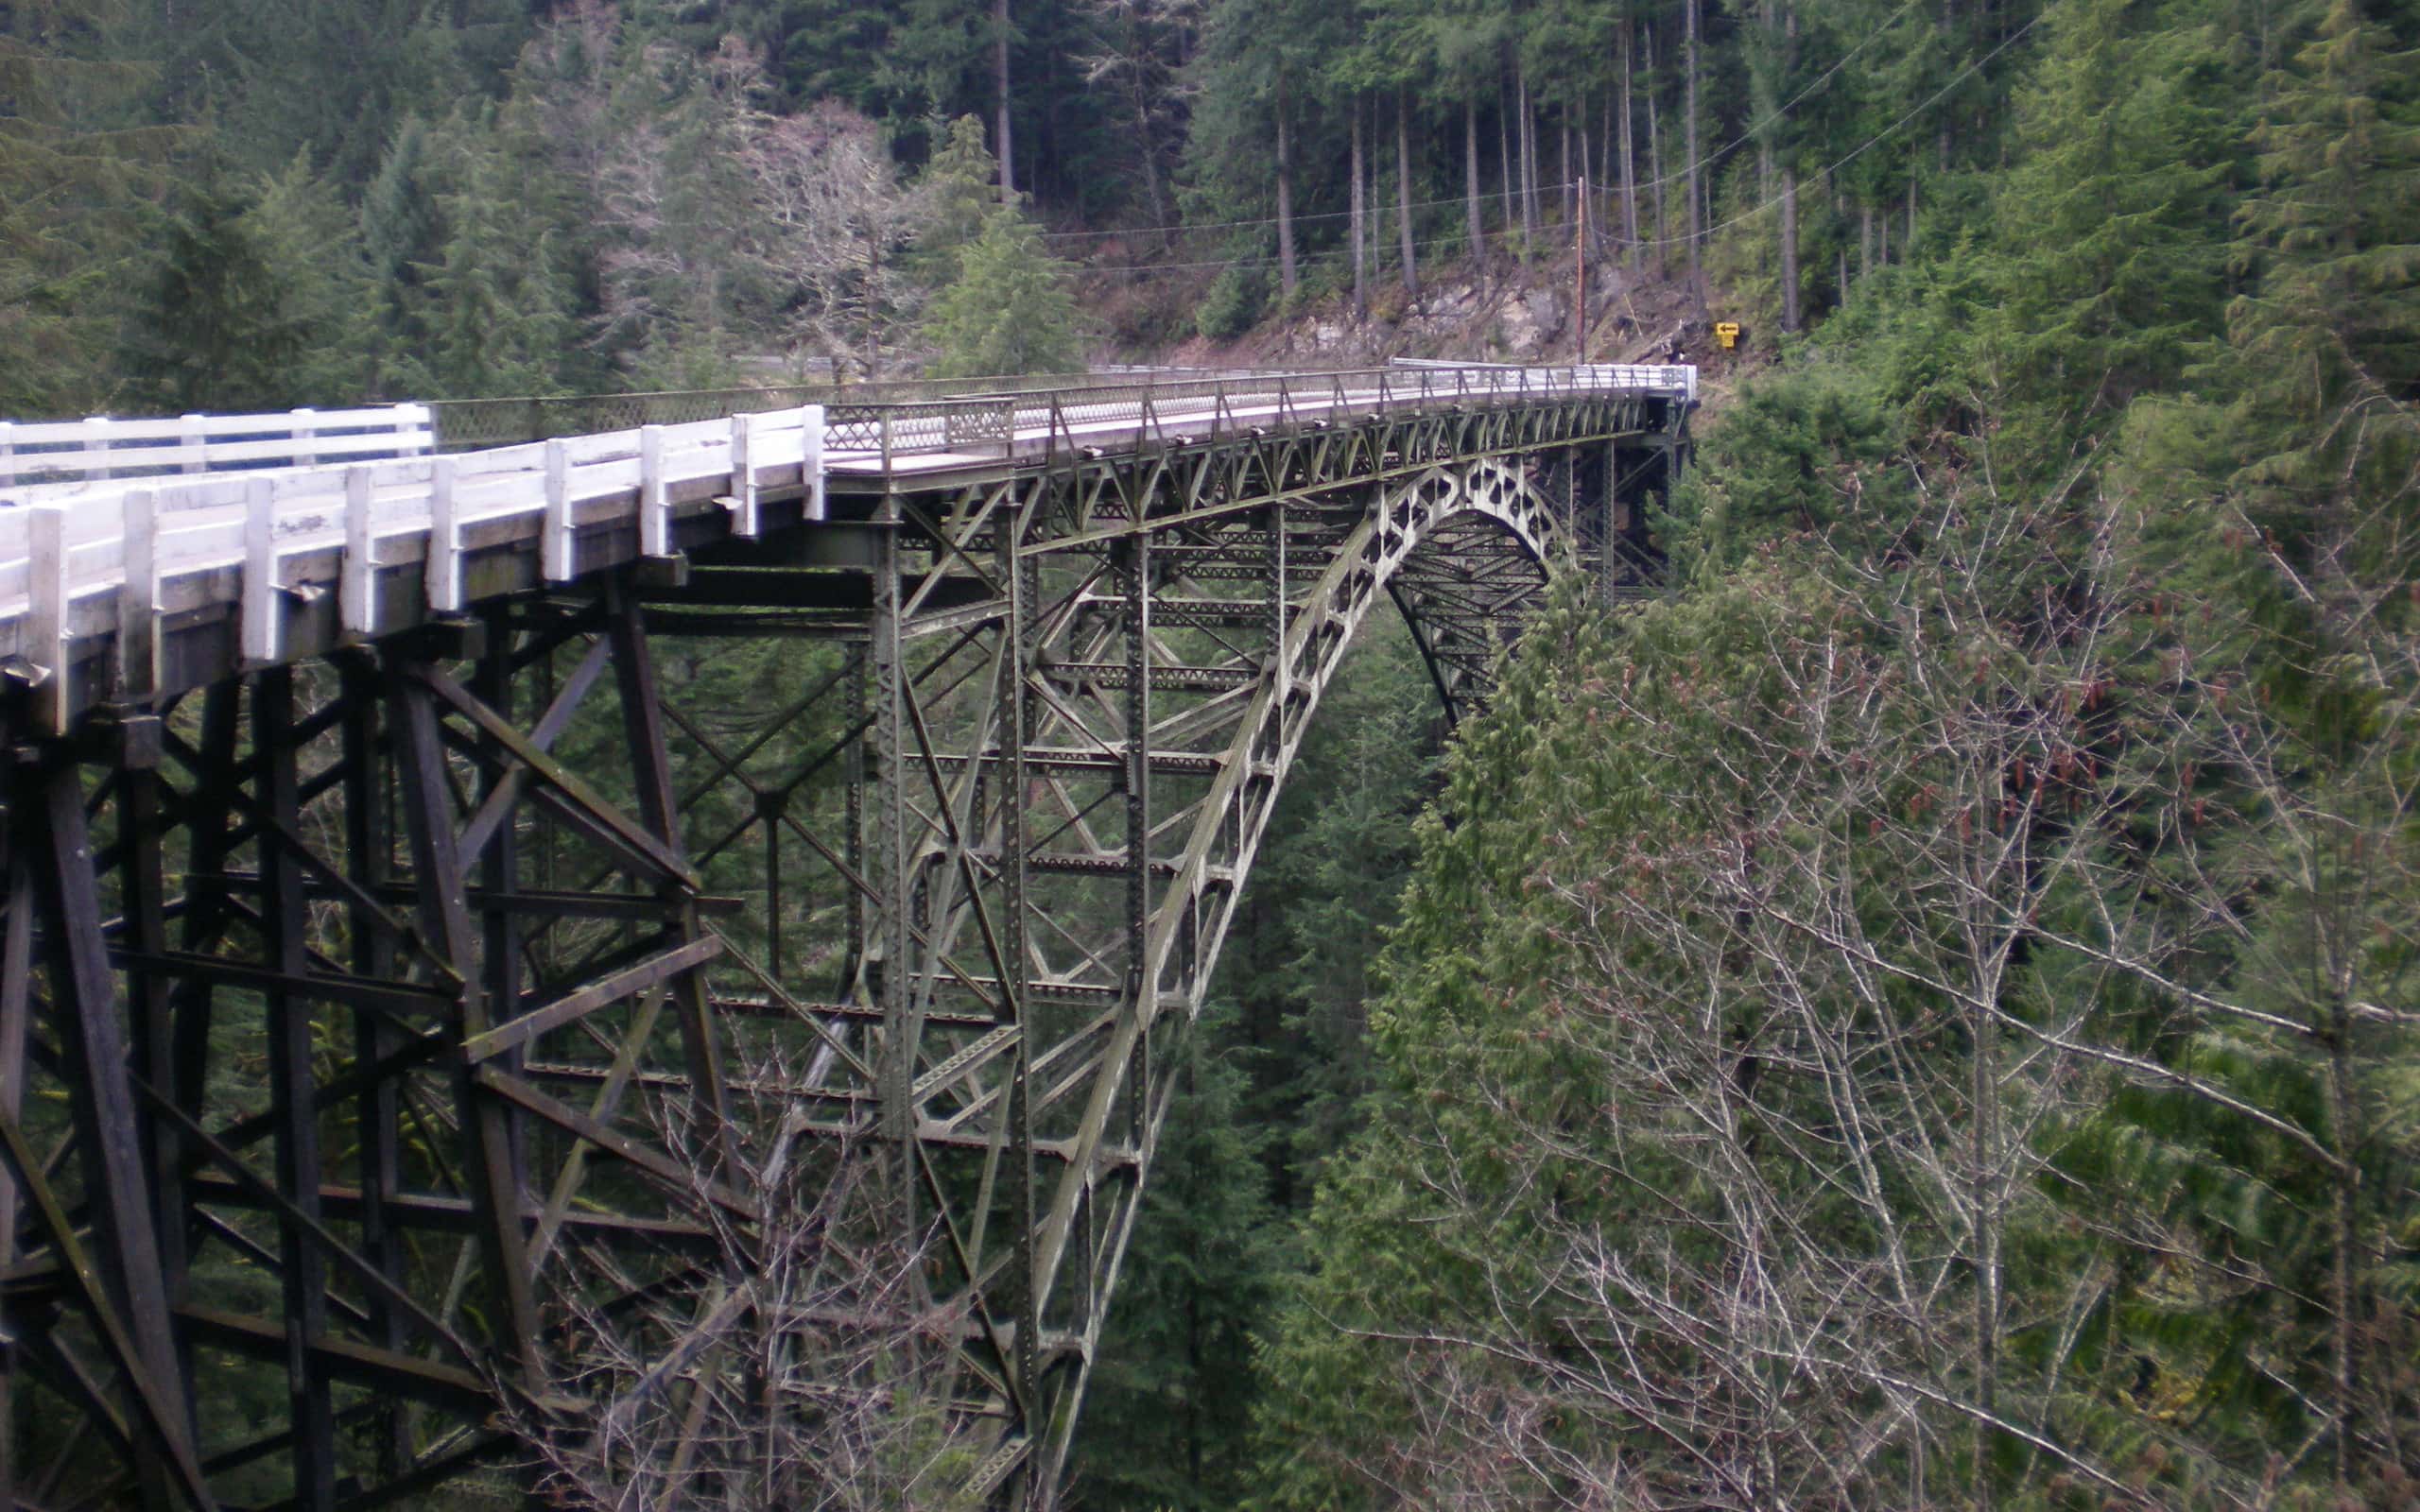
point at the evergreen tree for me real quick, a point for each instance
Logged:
(257, 302)
(498, 308)
(1169, 1405)
(73, 165)
(960, 191)
(1008, 311)
(2113, 277)
(2334, 234)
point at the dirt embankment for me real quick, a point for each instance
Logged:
(1513, 313)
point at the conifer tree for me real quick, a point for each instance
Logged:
(1010, 310)
(1170, 1407)
(257, 302)
(2113, 277)
(71, 166)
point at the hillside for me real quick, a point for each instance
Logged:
(1520, 312)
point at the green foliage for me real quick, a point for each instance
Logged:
(2101, 465)
(1232, 303)
(2084, 537)
(1790, 457)
(1010, 310)
(961, 189)
(1273, 1093)
(75, 165)
(497, 316)
(2113, 276)
(256, 302)
(1172, 1398)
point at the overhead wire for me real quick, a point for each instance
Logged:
(1869, 144)
(1746, 135)
(1314, 214)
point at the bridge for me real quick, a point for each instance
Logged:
(462, 908)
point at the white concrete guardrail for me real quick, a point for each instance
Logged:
(48, 453)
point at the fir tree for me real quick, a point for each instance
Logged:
(73, 166)
(221, 325)
(1008, 311)
(2112, 276)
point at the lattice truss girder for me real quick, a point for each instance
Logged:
(1082, 755)
(403, 1021)
(466, 963)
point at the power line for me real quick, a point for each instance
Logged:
(1315, 214)
(1747, 135)
(1388, 243)
(1870, 143)
(1332, 254)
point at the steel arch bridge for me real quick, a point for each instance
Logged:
(434, 883)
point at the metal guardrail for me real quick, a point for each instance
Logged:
(1190, 409)
(472, 424)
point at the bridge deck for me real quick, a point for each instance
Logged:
(137, 557)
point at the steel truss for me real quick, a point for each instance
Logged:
(384, 1017)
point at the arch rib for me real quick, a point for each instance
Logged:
(1228, 828)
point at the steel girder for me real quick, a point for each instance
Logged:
(388, 1019)
(1084, 689)
(466, 966)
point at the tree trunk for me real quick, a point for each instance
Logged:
(1789, 312)
(1655, 164)
(1403, 192)
(1791, 321)
(2345, 1301)
(1840, 248)
(1470, 180)
(1151, 164)
(1985, 1156)
(1369, 197)
(1527, 144)
(1689, 145)
(1949, 25)
(1864, 242)
(1630, 180)
(1568, 187)
(1285, 197)
(1360, 262)
(1907, 244)
(1001, 143)
(1592, 170)
(1508, 173)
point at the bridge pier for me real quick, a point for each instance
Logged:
(530, 1035)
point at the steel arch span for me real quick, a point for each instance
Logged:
(1462, 552)
(435, 947)
(1073, 811)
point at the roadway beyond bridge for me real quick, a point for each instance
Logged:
(429, 938)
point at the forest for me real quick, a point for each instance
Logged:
(1921, 1012)
(227, 204)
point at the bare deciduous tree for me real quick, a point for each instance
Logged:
(1936, 899)
(830, 224)
(802, 1366)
